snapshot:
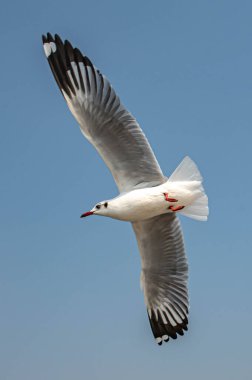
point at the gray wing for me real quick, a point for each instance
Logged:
(164, 274)
(103, 119)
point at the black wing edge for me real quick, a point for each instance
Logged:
(60, 55)
(163, 332)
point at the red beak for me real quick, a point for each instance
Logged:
(87, 214)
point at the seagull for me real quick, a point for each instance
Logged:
(147, 198)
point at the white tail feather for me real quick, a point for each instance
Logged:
(198, 209)
(187, 171)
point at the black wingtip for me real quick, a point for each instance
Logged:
(64, 61)
(78, 55)
(58, 40)
(87, 61)
(69, 50)
(163, 331)
(68, 45)
(50, 37)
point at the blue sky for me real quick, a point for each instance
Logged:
(71, 307)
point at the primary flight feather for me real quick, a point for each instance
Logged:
(147, 199)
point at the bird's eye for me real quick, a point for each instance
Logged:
(106, 204)
(98, 206)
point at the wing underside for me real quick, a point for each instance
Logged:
(164, 275)
(103, 119)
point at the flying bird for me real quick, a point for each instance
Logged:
(147, 198)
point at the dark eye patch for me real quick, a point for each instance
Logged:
(98, 206)
(106, 204)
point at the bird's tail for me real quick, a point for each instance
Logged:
(188, 172)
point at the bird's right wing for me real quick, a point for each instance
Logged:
(164, 274)
(103, 119)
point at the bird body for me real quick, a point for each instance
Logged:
(146, 197)
(141, 204)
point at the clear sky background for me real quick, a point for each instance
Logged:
(70, 302)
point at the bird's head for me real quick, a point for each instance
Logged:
(100, 208)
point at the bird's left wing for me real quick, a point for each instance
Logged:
(103, 119)
(164, 274)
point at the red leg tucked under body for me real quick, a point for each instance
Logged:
(176, 208)
(169, 199)
(173, 208)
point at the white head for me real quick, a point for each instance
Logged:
(101, 208)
